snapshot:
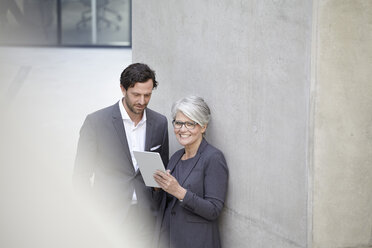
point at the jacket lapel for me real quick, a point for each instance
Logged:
(119, 127)
(149, 123)
(189, 169)
(172, 166)
(149, 129)
(183, 178)
(172, 163)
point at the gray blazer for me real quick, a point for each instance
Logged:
(103, 152)
(193, 222)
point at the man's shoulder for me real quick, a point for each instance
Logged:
(155, 115)
(106, 111)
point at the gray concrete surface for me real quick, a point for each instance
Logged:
(251, 62)
(297, 140)
(342, 161)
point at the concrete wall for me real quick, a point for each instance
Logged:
(251, 62)
(342, 192)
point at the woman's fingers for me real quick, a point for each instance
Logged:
(166, 181)
(162, 179)
(159, 178)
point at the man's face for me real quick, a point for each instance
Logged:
(136, 98)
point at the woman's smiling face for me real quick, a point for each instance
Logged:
(188, 137)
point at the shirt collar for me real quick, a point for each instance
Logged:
(124, 113)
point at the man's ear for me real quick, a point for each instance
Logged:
(123, 90)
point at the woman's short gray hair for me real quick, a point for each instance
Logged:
(194, 107)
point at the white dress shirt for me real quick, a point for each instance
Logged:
(136, 136)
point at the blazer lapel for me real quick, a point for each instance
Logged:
(172, 163)
(172, 166)
(119, 127)
(149, 123)
(202, 146)
(189, 169)
(149, 129)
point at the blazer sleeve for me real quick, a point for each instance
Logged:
(210, 205)
(85, 157)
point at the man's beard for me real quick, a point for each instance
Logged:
(131, 107)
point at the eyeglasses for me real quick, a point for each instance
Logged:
(189, 125)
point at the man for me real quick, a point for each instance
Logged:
(105, 168)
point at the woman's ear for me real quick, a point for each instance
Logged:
(204, 128)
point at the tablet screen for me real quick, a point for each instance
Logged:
(148, 163)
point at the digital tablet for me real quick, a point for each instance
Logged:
(148, 163)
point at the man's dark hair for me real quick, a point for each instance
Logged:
(137, 73)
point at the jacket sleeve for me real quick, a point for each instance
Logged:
(210, 205)
(85, 159)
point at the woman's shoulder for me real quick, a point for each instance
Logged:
(212, 150)
(214, 158)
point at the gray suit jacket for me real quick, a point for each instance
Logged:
(103, 151)
(193, 222)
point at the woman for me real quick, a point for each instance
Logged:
(195, 184)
